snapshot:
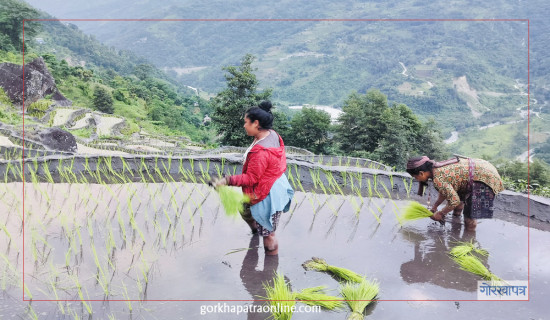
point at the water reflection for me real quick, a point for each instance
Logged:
(431, 262)
(254, 279)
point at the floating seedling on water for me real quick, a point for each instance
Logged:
(359, 296)
(464, 248)
(318, 264)
(472, 264)
(317, 296)
(280, 296)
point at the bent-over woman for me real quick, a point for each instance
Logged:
(468, 185)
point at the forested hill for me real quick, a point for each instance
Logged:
(320, 62)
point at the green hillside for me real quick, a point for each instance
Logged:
(81, 65)
(465, 74)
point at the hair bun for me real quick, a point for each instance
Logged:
(266, 105)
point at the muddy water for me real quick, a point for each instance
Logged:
(188, 249)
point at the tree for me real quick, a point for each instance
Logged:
(360, 126)
(103, 100)
(12, 14)
(231, 103)
(430, 141)
(310, 129)
(396, 141)
(281, 124)
(370, 128)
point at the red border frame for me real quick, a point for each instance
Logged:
(292, 20)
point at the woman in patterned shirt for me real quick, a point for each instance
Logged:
(466, 184)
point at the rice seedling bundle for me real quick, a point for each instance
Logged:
(464, 248)
(359, 296)
(317, 296)
(318, 264)
(280, 296)
(414, 211)
(472, 264)
(232, 200)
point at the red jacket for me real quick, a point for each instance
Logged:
(263, 166)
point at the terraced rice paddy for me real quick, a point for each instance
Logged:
(120, 250)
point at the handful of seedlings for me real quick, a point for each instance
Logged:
(283, 299)
(356, 290)
(280, 296)
(359, 296)
(232, 200)
(318, 264)
(464, 248)
(463, 256)
(317, 296)
(414, 211)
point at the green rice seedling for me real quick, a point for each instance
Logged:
(101, 276)
(126, 296)
(83, 179)
(318, 264)
(218, 170)
(414, 211)
(297, 174)
(377, 217)
(8, 165)
(144, 166)
(135, 227)
(167, 169)
(358, 296)
(291, 176)
(160, 175)
(280, 297)
(5, 229)
(463, 248)
(333, 184)
(344, 176)
(317, 296)
(52, 285)
(473, 265)
(144, 267)
(81, 295)
(90, 228)
(395, 207)
(386, 189)
(31, 313)
(232, 200)
(125, 165)
(122, 227)
(408, 187)
(167, 216)
(313, 178)
(357, 191)
(27, 291)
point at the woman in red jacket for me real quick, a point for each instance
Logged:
(263, 178)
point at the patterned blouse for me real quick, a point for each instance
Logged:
(452, 180)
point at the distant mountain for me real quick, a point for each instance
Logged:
(463, 73)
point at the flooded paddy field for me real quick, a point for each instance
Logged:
(136, 250)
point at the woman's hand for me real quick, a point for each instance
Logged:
(437, 216)
(218, 182)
